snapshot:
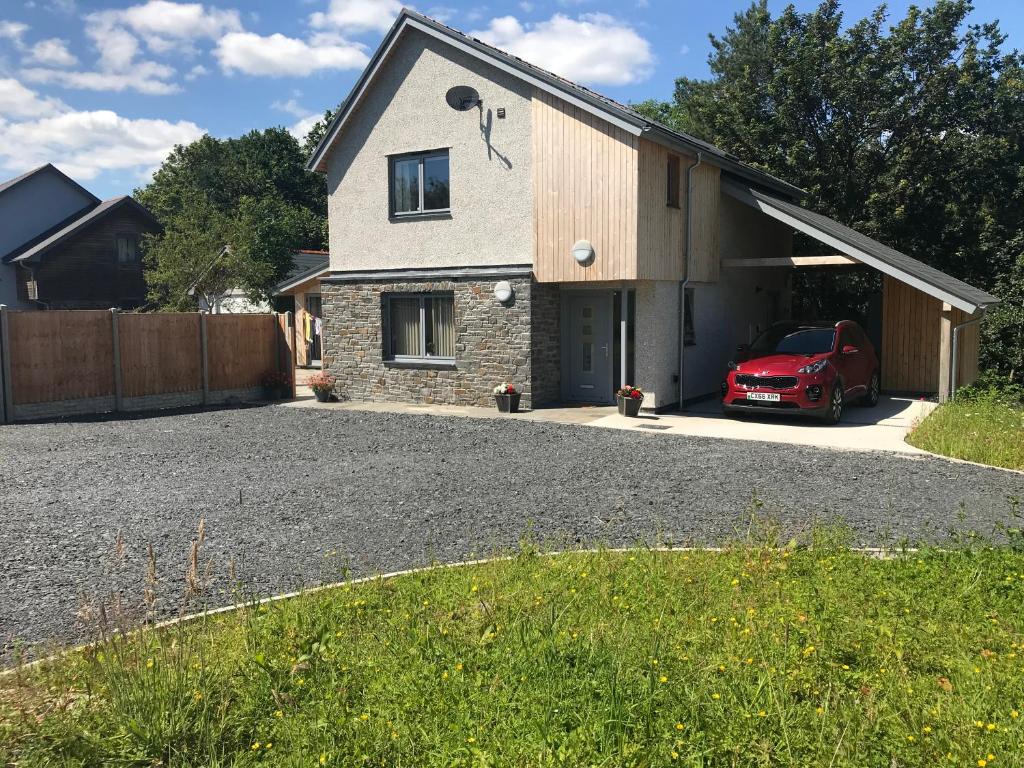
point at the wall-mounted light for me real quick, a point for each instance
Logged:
(583, 252)
(503, 291)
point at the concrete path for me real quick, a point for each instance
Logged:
(882, 428)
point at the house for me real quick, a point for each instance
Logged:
(491, 222)
(61, 247)
(302, 285)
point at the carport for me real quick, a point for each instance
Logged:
(929, 340)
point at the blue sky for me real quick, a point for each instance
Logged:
(104, 88)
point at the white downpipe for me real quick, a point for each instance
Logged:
(955, 351)
(686, 274)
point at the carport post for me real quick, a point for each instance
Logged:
(946, 362)
(6, 396)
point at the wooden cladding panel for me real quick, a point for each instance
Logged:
(707, 193)
(585, 188)
(242, 348)
(911, 340)
(160, 353)
(61, 355)
(83, 271)
(661, 227)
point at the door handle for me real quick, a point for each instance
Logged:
(605, 348)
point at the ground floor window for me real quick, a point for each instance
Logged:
(689, 334)
(419, 326)
(624, 321)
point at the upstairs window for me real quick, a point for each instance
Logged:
(672, 199)
(419, 184)
(127, 249)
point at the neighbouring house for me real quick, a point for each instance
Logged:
(521, 228)
(61, 247)
(302, 285)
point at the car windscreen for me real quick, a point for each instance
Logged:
(799, 341)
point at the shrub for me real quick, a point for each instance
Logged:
(321, 382)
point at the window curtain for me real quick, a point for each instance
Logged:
(405, 327)
(442, 328)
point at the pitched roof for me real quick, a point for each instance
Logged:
(619, 114)
(307, 265)
(48, 168)
(34, 249)
(864, 249)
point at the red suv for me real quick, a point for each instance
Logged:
(805, 369)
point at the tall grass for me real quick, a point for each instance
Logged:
(987, 428)
(756, 655)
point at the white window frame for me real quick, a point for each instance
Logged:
(421, 158)
(389, 356)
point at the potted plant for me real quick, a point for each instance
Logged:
(276, 385)
(322, 385)
(507, 398)
(630, 399)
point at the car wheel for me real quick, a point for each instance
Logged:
(835, 404)
(870, 399)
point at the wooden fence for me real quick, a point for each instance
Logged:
(63, 362)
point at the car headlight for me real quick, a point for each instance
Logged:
(816, 367)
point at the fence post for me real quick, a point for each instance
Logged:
(115, 335)
(289, 347)
(7, 395)
(204, 350)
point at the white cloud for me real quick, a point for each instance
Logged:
(526, 6)
(148, 77)
(83, 144)
(292, 107)
(17, 101)
(358, 15)
(118, 34)
(52, 52)
(280, 56)
(595, 48)
(12, 30)
(196, 72)
(684, 50)
(166, 25)
(304, 126)
(306, 119)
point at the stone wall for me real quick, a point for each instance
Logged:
(494, 343)
(545, 322)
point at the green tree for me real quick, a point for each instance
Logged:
(910, 132)
(318, 132)
(251, 193)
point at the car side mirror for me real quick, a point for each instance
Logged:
(849, 349)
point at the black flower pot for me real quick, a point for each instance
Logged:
(630, 406)
(508, 403)
(322, 395)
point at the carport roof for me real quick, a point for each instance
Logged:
(864, 249)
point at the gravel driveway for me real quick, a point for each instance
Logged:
(280, 487)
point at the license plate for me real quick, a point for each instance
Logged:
(770, 397)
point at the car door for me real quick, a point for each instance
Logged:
(851, 364)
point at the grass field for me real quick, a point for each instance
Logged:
(988, 429)
(753, 656)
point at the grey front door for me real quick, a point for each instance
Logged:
(589, 347)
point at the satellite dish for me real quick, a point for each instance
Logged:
(462, 97)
